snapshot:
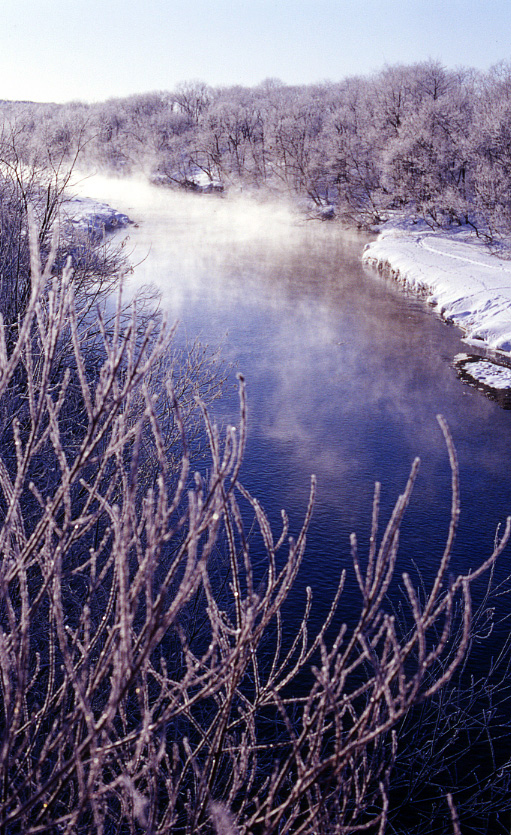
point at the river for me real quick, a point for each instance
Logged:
(345, 375)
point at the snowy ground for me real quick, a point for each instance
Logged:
(92, 217)
(468, 285)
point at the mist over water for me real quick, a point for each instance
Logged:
(345, 373)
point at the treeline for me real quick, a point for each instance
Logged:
(420, 138)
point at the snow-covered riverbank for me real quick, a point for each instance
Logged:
(467, 284)
(88, 215)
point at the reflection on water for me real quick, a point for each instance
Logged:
(345, 373)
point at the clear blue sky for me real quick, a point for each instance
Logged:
(59, 50)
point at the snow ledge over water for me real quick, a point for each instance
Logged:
(456, 273)
(92, 217)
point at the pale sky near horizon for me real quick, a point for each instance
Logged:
(61, 50)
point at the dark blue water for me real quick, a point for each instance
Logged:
(345, 376)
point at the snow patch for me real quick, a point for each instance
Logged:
(91, 217)
(485, 372)
(453, 271)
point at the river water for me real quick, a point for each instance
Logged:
(345, 375)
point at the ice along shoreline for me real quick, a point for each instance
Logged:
(470, 287)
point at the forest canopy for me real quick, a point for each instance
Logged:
(423, 139)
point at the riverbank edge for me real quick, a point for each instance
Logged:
(454, 272)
